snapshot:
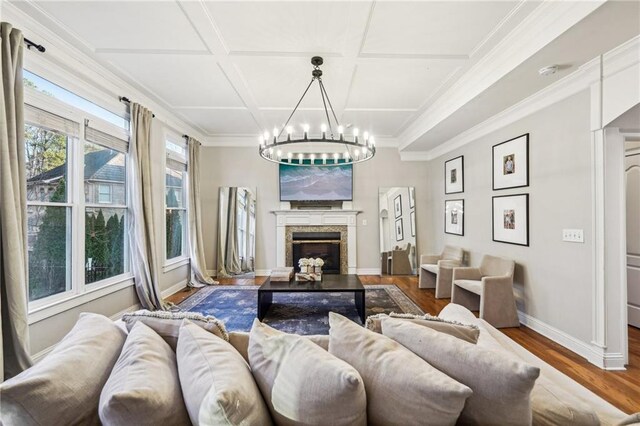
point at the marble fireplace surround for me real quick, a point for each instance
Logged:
(343, 221)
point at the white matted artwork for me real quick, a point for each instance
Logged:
(399, 230)
(511, 219)
(511, 163)
(412, 197)
(397, 206)
(413, 223)
(454, 175)
(454, 217)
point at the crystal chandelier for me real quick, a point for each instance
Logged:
(329, 147)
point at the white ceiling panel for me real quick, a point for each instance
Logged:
(314, 118)
(314, 27)
(180, 80)
(126, 24)
(377, 123)
(279, 82)
(222, 122)
(399, 83)
(436, 28)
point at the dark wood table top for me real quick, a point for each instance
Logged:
(330, 282)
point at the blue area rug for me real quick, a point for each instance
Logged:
(299, 313)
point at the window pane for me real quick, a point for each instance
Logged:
(104, 175)
(46, 164)
(50, 89)
(104, 243)
(178, 149)
(174, 188)
(175, 226)
(49, 248)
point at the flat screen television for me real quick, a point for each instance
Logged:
(316, 183)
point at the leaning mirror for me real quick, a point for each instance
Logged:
(397, 212)
(236, 232)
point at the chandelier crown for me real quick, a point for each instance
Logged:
(316, 150)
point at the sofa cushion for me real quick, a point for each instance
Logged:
(401, 387)
(240, 341)
(302, 383)
(468, 333)
(501, 386)
(216, 381)
(143, 388)
(471, 285)
(430, 267)
(167, 324)
(552, 406)
(56, 388)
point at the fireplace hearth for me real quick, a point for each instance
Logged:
(324, 245)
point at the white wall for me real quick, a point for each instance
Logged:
(553, 278)
(222, 166)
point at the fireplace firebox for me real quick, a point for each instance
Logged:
(324, 245)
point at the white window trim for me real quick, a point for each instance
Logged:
(185, 259)
(80, 292)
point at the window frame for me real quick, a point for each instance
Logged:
(184, 259)
(79, 292)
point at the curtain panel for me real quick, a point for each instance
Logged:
(13, 209)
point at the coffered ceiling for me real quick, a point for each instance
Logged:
(234, 69)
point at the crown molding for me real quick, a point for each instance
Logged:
(543, 25)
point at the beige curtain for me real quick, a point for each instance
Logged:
(228, 259)
(144, 262)
(199, 274)
(13, 209)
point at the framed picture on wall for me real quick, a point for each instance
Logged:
(399, 230)
(454, 217)
(412, 197)
(454, 175)
(511, 163)
(413, 223)
(397, 206)
(511, 219)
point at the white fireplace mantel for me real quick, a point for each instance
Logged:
(318, 218)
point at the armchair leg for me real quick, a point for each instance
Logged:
(498, 307)
(426, 279)
(465, 298)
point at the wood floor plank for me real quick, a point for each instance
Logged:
(621, 388)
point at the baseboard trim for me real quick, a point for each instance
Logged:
(368, 271)
(595, 355)
(263, 272)
(212, 273)
(174, 288)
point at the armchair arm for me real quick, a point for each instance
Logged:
(499, 281)
(429, 259)
(446, 263)
(466, 274)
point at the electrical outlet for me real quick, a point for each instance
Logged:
(573, 235)
(364, 222)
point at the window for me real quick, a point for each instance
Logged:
(175, 198)
(59, 154)
(242, 223)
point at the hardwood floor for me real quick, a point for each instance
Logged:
(621, 388)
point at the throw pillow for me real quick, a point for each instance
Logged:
(65, 385)
(302, 383)
(466, 332)
(216, 382)
(401, 388)
(501, 385)
(167, 324)
(143, 388)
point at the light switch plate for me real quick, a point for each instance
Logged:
(573, 235)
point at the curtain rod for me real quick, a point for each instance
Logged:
(127, 101)
(31, 44)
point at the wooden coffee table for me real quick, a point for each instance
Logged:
(330, 284)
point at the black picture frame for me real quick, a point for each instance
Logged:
(399, 230)
(459, 175)
(526, 163)
(527, 221)
(447, 203)
(397, 206)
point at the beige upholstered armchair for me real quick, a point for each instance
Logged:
(489, 289)
(400, 261)
(437, 270)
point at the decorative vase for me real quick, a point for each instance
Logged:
(317, 269)
(304, 269)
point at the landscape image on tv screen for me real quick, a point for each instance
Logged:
(316, 183)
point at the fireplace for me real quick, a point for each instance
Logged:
(324, 245)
